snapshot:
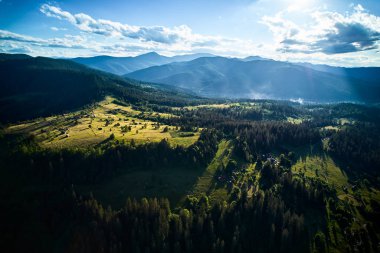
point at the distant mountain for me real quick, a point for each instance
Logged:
(254, 58)
(365, 73)
(239, 78)
(33, 87)
(124, 65)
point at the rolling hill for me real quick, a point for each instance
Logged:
(237, 78)
(34, 87)
(124, 65)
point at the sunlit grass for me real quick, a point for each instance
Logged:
(94, 125)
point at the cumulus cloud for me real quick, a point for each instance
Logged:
(329, 33)
(178, 39)
(88, 24)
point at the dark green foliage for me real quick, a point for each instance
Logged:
(320, 243)
(259, 224)
(91, 166)
(35, 87)
(360, 145)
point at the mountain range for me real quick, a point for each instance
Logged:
(40, 86)
(262, 78)
(125, 65)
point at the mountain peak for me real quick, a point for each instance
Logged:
(254, 58)
(150, 54)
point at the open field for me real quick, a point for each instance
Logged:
(210, 106)
(94, 125)
(323, 168)
(205, 183)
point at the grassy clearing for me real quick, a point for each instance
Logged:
(246, 105)
(92, 126)
(220, 106)
(346, 121)
(323, 168)
(205, 183)
(335, 128)
(294, 120)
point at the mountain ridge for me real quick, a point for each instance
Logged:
(236, 78)
(124, 65)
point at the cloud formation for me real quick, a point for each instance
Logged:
(330, 32)
(14, 48)
(88, 24)
(178, 39)
(323, 40)
(69, 41)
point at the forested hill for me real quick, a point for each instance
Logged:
(33, 87)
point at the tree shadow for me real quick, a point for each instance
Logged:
(172, 183)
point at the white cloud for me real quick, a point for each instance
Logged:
(329, 33)
(358, 8)
(178, 39)
(56, 29)
(318, 41)
(86, 23)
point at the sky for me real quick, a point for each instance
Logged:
(334, 32)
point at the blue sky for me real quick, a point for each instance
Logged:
(337, 32)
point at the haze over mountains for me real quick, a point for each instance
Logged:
(260, 78)
(250, 77)
(125, 65)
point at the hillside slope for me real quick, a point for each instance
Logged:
(33, 87)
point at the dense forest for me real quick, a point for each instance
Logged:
(271, 210)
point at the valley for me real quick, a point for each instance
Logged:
(131, 160)
(190, 126)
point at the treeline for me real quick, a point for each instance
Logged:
(315, 115)
(260, 224)
(259, 137)
(96, 164)
(276, 219)
(358, 144)
(358, 112)
(270, 221)
(263, 223)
